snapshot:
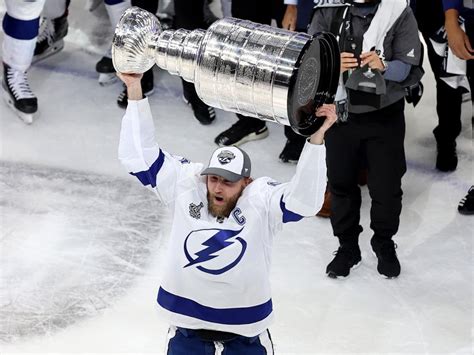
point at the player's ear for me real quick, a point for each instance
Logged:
(247, 181)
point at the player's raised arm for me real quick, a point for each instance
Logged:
(304, 195)
(138, 150)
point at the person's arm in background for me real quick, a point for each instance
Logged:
(406, 48)
(291, 15)
(457, 39)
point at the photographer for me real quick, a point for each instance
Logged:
(380, 51)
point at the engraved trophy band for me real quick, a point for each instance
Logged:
(237, 65)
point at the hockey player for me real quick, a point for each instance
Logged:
(53, 29)
(20, 25)
(105, 68)
(215, 290)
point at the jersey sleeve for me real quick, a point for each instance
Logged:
(303, 196)
(406, 44)
(452, 4)
(143, 158)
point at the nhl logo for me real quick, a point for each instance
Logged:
(225, 157)
(195, 210)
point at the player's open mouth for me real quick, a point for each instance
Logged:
(219, 199)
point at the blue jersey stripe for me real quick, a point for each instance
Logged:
(148, 177)
(20, 29)
(289, 216)
(235, 316)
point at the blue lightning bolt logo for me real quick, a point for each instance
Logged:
(213, 245)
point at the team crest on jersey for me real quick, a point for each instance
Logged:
(195, 210)
(214, 251)
(225, 157)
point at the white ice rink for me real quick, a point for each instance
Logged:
(82, 242)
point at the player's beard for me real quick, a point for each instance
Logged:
(224, 210)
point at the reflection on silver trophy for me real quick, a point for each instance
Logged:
(237, 65)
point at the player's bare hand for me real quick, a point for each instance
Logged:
(133, 84)
(130, 79)
(328, 111)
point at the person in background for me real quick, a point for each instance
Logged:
(147, 81)
(54, 27)
(215, 290)
(190, 15)
(379, 42)
(247, 128)
(104, 67)
(442, 30)
(461, 43)
(296, 18)
(20, 26)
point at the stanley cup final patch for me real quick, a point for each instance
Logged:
(195, 210)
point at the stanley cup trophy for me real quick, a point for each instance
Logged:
(236, 65)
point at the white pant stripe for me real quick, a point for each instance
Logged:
(266, 342)
(171, 335)
(219, 348)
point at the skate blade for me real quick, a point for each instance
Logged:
(27, 118)
(55, 48)
(106, 79)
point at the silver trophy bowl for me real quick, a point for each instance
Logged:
(237, 65)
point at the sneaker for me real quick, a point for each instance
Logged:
(447, 159)
(204, 114)
(466, 205)
(346, 258)
(18, 94)
(388, 264)
(291, 152)
(239, 133)
(50, 38)
(147, 88)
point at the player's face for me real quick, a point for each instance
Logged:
(222, 194)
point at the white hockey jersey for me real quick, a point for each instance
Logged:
(217, 272)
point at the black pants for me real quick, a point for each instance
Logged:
(448, 100)
(378, 137)
(189, 14)
(259, 11)
(148, 5)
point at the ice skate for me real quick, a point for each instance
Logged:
(18, 95)
(50, 38)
